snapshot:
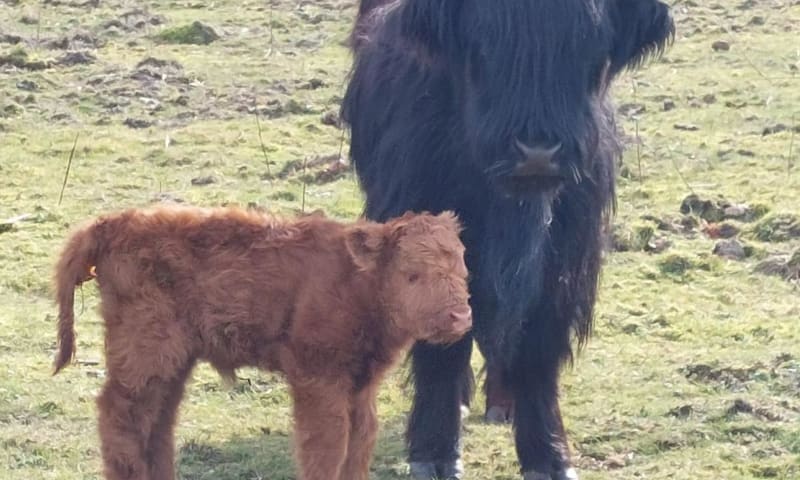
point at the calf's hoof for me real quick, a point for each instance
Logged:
(566, 474)
(452, 470)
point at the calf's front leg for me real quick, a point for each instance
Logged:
(322, 425)
(363, 433)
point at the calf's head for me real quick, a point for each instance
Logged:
(417, 262)
(529, 77)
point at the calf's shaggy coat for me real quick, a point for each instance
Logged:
(332, 306)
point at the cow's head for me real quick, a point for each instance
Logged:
(417, 262)
(531, 75)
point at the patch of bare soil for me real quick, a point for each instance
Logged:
(731, 249)
(786, 267)
(73, 3)
(781, 374)
(317, 171)
(79, 40)
(741, 406)
(730, 378)
(719, 209)
(10, 39)
(134, 20)
(18, 58)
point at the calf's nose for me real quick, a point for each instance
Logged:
(461, 318)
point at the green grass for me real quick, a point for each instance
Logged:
(694, 369)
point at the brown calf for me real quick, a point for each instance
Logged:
(332, 306)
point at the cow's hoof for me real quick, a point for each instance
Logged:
(453, 470)
(422, 470)
(464, 412)
(531, 475)
(498, 414)
(567, 474)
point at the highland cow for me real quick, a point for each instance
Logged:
(332, 306)
(499, 110)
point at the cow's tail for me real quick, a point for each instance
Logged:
(75, 266)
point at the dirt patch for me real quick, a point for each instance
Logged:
(719, 209)
(76, 58)
(781, 375)
(731, 249)
(152, 69)
(600, 461)
(75, 41)
(685, 224)
(730, 378)
(651, 235)
(786, 267)
(637, 238)
(19, 58)
(132, 21)
(317, 171)
(683, 411)
(721, 230)
(741, 406)
(204, 180)
(10, 39)
(73, 3)
(331, 119)
(137, 123)
(779, 127)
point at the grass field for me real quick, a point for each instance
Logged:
(694, 371)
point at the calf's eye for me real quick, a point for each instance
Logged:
(413, 277)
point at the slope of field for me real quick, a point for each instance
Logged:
(694, 371)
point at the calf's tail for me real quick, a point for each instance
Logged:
(75, 266)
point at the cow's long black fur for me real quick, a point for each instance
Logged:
(439, 93)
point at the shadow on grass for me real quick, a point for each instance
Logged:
(270, 457)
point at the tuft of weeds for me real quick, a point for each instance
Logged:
(196, 33)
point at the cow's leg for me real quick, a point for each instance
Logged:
(466, 393)
(538, 429)
(499, 398)
(440, 374)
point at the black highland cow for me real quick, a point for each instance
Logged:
(497, 109)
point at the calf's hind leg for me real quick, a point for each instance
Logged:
(126, 418)
(148, 360)
(160, 449)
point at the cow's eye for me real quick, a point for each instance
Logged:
(412, 278)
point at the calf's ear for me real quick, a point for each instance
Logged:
(450, 220)
(642, 29)
(364, 244)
